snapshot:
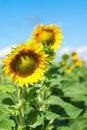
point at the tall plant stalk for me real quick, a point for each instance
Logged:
(21, 110)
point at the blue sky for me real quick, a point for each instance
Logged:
(19, 17)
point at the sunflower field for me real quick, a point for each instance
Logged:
(39, 93)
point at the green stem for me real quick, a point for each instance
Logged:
(21, 110)
(50, 123)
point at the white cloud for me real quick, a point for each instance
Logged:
(82, 52)
(5, 51)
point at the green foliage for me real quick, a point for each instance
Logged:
(58, 102)
(71, 111)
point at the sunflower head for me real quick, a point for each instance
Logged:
(63, 63)
(78, 63)
(65, 57)
(68, 70)
(26, 64)
(48, 35)
(74, 56)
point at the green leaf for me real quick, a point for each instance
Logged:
(7, 124)
(7, 88)
(35, 118)
(2, 96)
(65, 128)
(71, 110)
(8, 101)
(75, 90)
(78, 124)
(50, 115)
(4, 115)
(31, 94)
(4, 108)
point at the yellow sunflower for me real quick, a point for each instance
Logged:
(47, 35)
(63, 63)
(68, 70)
(74, 56)
(26, 64)
(78, 63)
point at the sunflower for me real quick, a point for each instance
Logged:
(65, 57)
(47, 35)
(74, 56)
(26, 64)
(68, 70)
(63, 63)
(78, 63)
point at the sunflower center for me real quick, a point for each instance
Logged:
(46, 37)
(25, 64)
